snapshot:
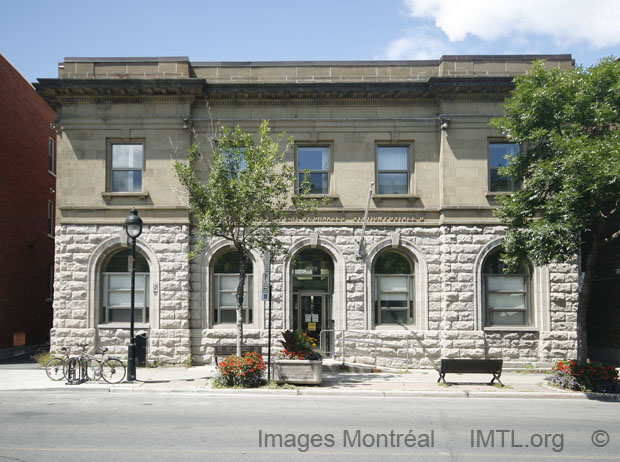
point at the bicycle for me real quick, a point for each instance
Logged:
(84, 367)
(112, 369)
(56, 368)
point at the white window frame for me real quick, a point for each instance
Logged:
(247, 298)
(383, 171)
(410, 296)
(107, 291)
(378, 310)
(525, 293)
(300, 172)
(112, 169)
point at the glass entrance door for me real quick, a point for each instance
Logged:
(312, 273)
(311, 313)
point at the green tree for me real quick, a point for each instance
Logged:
(569, 168)
(242, 193)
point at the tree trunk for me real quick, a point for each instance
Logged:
(584, 295)
(242, 267)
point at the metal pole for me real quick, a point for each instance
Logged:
(131, 357)
(360, 247)
(269, 340)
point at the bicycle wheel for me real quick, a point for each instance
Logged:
(93, 369)
(113, 370)
(56, 369)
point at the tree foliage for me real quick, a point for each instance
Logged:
(242, 193)
(569, 168)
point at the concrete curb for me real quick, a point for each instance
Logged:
(339, 393)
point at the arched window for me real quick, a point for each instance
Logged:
(506, 299)
(225, 282)
(394, 293)
(116, 305)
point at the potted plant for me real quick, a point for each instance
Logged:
(297, 362)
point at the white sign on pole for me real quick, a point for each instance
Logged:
(266, 276)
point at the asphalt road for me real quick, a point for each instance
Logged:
(78, 426)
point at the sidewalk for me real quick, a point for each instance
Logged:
(335, 382)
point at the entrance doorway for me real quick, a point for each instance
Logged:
(313, 273)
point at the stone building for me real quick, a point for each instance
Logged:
(426, 283)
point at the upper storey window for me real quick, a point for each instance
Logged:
(315, 159)
(393, 169)
(499, 156)
(51, 155)
(127, 165)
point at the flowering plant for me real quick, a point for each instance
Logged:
(298, 345)
(590, 377)
(246, 371)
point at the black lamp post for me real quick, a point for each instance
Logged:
(133, 227)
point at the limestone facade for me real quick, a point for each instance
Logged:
(442, 222)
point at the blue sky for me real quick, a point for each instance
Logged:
(36, 35)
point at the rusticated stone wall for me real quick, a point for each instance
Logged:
(80, 253)
(448, 298)
(448, 301)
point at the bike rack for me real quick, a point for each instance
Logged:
(76, 372)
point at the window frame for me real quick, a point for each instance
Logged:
(248, 305)
(50, 218)
(328, 172)
(51, 153)
(526, 292)
(512, 187)
(249, 311)
(105, 309)
(378, 310)
(378, 172)
(110, 169)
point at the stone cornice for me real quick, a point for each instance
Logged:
(72, 91)
(57, 91)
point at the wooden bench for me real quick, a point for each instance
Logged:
(471, 366)
(221, 351)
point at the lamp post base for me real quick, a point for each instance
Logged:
(131, 362)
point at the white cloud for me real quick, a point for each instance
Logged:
(596, 22)
(421, 43)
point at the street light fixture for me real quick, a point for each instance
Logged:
(133, 227)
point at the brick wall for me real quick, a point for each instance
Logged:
(26, 186)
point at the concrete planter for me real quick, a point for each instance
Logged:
(300, 372)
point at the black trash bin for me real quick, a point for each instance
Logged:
(141, 350)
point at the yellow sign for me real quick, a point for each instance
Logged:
(312, 326)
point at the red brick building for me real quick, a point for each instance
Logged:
(27, 204)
